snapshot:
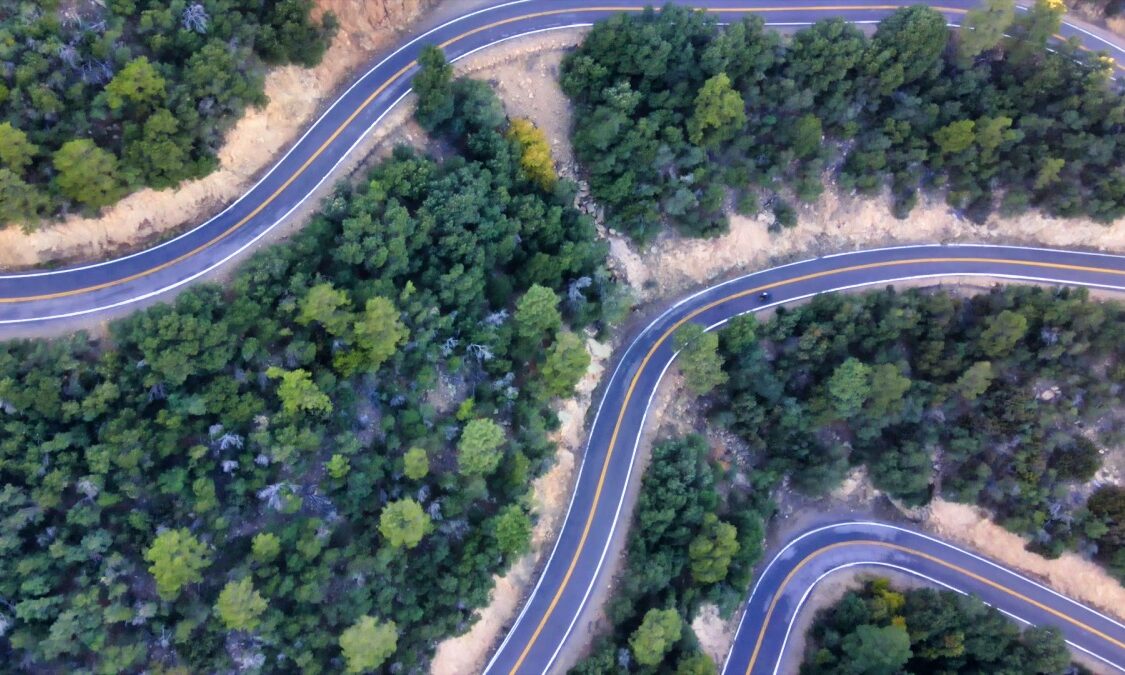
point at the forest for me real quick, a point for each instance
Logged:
(1001, 399)
(319, 467)
(879, 630)
(678, 121)
(98, 99)
(689, 544)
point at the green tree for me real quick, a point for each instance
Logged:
(161, 152)
(368, 643)
(1108, 504)
(872, 650)
(1036, 26)
(16, 152)
(87, 174)
(325, 305)
(403, 523)
(138, 85)
(696, 663)
(478, 451)
(807, 133)
(658, 632)
(433, 85)
(849, 387)
(974, 381)
(377, 334)
(719, 113)
(239, 606)
(298, 393)
(289, 35)
(991, 132)
(956, 137)
(1046, 650)
(416, 464)
(537, 314)
(699, 358)
(512, 529)
(907, 47)
(567, 361)
(1048, 172)
(20, 202)
(1002, 332)
(177, 559)
(712, 550)
(265, 546)
(984, 27)
(338, 466)
(888, 386)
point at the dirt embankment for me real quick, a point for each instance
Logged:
(296, 96)
(525, 74)
(550, 495)
(1069, 574)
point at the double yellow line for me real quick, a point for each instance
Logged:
(383, 87)
(995, 262)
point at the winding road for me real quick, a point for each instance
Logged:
(575, 567)
(101, 288)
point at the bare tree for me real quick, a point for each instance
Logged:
(195, 18)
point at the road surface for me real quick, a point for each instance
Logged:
(573, 570)
(575, 566)
(101, 288)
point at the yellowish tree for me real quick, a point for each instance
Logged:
(535, 158)
(368, 643)
(239, 606)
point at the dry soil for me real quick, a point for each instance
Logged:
(296, 96)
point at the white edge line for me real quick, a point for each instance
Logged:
(873, 524)
(663, 316)
(616, 518)
(251, 242)
(912, 572)
(359, 80)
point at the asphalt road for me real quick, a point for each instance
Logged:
(575, 566)
(30, 298)
(786, 582)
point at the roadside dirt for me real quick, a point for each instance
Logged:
(296, 97)
(550, 495)
(715, 634)
(1094, 13)
(1070, 574)
(525, 73)
(838, 223)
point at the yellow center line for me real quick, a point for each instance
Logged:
(335, 134)
(258, 209)
(691, 315)
(926, 556)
